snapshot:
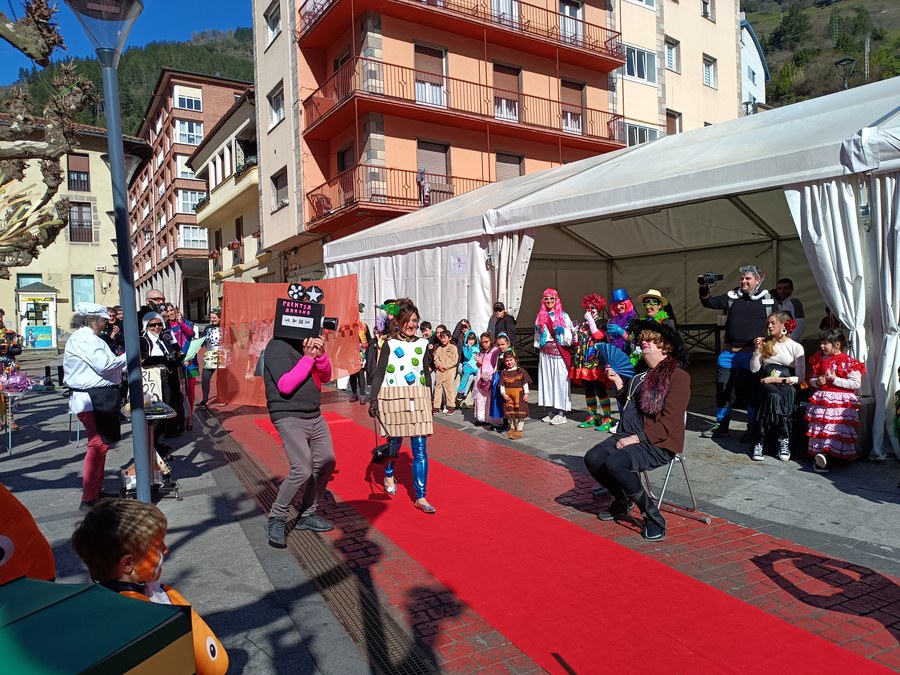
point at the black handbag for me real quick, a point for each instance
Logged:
(382, 452)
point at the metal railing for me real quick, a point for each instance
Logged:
(438, 92)
(519, 17)
(382, 185)
(79, 181)
(81, 231)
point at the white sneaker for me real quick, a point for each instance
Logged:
(784, 449)
(614, 428)
(821, 463)
(547, 419)
(559, 419)
(758, 453)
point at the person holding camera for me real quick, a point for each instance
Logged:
(293, 373)
(746, 309)
(401, 398)
(156, 302)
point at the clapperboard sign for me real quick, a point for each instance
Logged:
(295, 320)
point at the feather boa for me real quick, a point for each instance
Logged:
(657, 383)
(842, 364)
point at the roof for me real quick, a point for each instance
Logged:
(165, 74)
(762, 54)
(138, 145)
(36, 287)
(716, 186)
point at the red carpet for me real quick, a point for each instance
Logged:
(563, 594)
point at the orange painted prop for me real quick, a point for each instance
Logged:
(248, 311)
(24, 551)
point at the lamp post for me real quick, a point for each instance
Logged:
(845, 66)
(107, 24)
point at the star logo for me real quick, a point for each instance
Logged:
(314, 294)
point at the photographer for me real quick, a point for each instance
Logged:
(746, 307)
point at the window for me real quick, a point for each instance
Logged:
(279, 189)
(187, 200)
(182, 170)
(571, 26)
(708, 9)
(161, 222)
(276, 105)
(160, 190)
(429, 65)
(145, 211)
(572, 94)
(82, 288)
(272, 17)
(506, 93)
(646, 3)
(188, 98)
(673, 122)
(673, 59)
(79, 173)
(159, 158)
(640, 64)
(81, 223)
(192, 236)
(751, 75)
(433, 180)
(164, 252)
(509, 166)
(188, 132)
(505, 12)
(709, 71)
(158, 125)
(637, 134)
(28, 279)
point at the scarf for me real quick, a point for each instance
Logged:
(657, 383)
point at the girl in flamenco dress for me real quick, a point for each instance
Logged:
(833, 412)
(588, 366)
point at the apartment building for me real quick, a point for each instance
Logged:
(227, 160)
(170, 249)
(81, 265)
(374, 109)
(683, 65)
(754, 69)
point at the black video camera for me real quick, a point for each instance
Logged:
(709, 278)
(329, 323)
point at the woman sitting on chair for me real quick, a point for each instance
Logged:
(651, 430)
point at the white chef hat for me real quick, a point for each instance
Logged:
(91, 309)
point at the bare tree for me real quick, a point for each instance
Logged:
(30, 219)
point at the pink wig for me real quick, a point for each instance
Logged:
(543, 316)
(629, 308)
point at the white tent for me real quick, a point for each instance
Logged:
(808, 189)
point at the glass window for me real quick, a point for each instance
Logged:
(187, 200)
(709, 72)
(188, 132)
(751, 75)
(186, 101)
(276, 106)
(28, 279)
(81, 223)
(640, 64)
(672, 60)
(279, 189)
(192, 236)
(637, 134)
(79, 170)
(273, 21)
(181, 167)
(82, 288)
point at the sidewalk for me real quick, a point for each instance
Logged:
(353, 601)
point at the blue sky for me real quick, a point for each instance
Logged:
(160, 20)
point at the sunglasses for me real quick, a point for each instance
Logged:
(154, 324)
(549, 297)
(651, 302)
(156, 299)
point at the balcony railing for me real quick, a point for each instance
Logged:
(437, 92)
(519, 17)
(81, 231)
(390, 187)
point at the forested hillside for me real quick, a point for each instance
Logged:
(802, 40)
(224, 54)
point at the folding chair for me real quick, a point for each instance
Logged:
(77, 429)
(690, 511)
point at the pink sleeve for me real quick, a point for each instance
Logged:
(323, 366)
(292, 379)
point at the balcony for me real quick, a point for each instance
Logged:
(500, 22)
(379, 193)
(381, 87)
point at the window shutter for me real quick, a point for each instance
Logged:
(430, 64)
(79, 163)
(508, 166)
(505, 79)
(433, 158)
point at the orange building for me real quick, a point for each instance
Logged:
(170, 250)
(398, 104)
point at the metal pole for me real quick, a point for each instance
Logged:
(109, 60)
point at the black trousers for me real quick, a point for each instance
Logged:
(617, 470)
(358, 382)
(205, 379)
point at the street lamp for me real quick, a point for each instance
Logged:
(845, 66)
(107, 24)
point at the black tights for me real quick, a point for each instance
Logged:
(613, 469)
(205, 380)
(358, 380)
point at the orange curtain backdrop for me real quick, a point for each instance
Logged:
(248, 314)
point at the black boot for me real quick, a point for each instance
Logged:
(654, 523)
(618, 508)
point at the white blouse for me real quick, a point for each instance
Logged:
(787, 353)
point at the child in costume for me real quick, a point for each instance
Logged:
(445, 359)
(588, 366)
(487, 366)
(514, 383)
(496, 408)
(122, 543)
(470, 351)
(833, 412)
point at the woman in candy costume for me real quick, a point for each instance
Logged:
(588, 366)
(833, 412)
(401, 397)
(553, 332)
